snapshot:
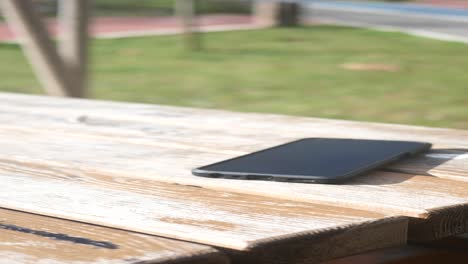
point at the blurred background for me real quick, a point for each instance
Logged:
(384, 61)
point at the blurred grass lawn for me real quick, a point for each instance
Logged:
(289, 71)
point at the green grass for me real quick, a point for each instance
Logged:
(152, 7)
(289, 71)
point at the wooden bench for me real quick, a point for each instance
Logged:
(123, 171)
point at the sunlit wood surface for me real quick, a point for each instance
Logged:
(127, 166)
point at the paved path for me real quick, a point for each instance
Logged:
(115, 27)
(424, 20)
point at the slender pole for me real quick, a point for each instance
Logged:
(186, 10)
(73, 44)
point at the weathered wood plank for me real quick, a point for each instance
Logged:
(164, 143)
(439, 223)
(277, 128)
(316, 249)
(385, 192)
(156, 125)
(29, 238)
(448, 163)
(242, 222)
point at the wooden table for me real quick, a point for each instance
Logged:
(100, 182)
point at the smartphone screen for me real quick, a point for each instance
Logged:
(313, 160)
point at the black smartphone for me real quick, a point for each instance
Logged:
(313, 160)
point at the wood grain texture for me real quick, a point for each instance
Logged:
(29, 238)
(223, 219)
(319, 248)
(439, 224)
(187, 128)
(147, 119)
(385, 192)
(448, 163)
(163, 143)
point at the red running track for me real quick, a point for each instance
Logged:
(104, 25)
